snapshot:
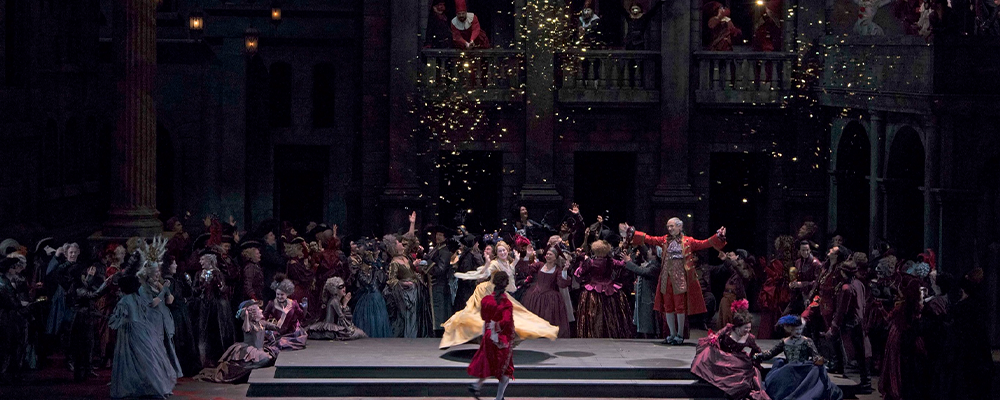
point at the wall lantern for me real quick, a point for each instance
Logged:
(196, 21)
(251, 39)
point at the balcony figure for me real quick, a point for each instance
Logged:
(865, 26)
(589, 26)
(638, 24)
(767, 29)
(465, 31)
(721, 31)
(438, 28)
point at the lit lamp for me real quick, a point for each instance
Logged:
(196, 21)
(276, 12)
(251, 39)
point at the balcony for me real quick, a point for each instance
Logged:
(906, 73)
(608, 77)
(491, 75)
(730, 78)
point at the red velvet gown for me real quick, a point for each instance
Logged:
(495, 355)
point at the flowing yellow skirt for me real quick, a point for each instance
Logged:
(467, 324)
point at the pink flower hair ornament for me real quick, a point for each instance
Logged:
(739, 305)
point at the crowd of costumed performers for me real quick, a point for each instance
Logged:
(215, 300)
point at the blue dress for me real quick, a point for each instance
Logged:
(370, 313)
(796, 377)
(141, 366)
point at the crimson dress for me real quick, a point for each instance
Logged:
(728, 365)
(544, 298)
(495, 355)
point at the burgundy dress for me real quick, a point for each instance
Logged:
(303, 277)
(495, 355)
(726, 364)
(604, 311)
(544, 298)
(289, 321)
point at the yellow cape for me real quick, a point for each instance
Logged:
(467, 324)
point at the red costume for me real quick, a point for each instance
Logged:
(678, 291)
(495, 355)
(465, 32)
(773, 298)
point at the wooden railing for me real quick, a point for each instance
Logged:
(608, 76)
(492, 75)
(743, 78)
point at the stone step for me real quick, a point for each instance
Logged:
(459, 372)
(264, 384)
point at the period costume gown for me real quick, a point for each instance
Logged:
(288, 318)
(236, 364)
(604, 311)
(337, 325)
(467, 324)
(495, 354)
(728, 365)
(141, 366)
(408, 307)
(796, 376)
(544, 299)
(370, 313)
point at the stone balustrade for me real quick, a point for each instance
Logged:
(608, 76)
(491, 75)
(739, 78)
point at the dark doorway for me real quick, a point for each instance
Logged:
(736, 199)
(471, 180)
(300, 182)
(905, 200)
(853, 191)
(604, 183)
(164, 173)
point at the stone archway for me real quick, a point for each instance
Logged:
(904, 196)
(853, 189)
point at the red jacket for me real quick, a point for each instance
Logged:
(695, 299)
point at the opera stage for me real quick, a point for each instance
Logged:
(564, 368)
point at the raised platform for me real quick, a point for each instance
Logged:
(607, 368)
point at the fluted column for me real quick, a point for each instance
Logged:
(133, 190)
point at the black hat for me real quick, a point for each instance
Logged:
(267, 226)
(229, 239)
(441, 228)
(468, 240)
(297, 239)
(250, 244)
(208, 251)
(49, 241)
(201, 241)
(8, 262)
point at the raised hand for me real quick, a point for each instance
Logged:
(413, 217)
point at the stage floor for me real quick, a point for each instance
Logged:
(608, 368)
(568, 353)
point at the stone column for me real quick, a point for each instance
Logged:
(133, 191)
(932, 204)
(674, 196)
(539, 189)
(876, 135)
(402, 192)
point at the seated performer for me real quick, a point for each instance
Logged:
(801, 374)
(338, 323)
(257, 350)
(495, 356)
(726, 359)
(467, 324)
(678, 294)
(287, 314)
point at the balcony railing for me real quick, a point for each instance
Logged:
(491, 75)
(608, 76)
(901, 73)
(728, 78)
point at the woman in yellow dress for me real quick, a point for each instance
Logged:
(467, 324)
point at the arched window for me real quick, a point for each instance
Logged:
(281, 94)
(324, 96)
